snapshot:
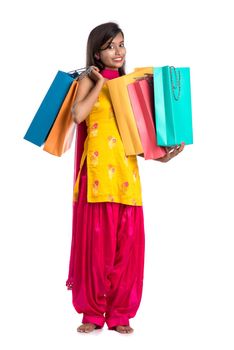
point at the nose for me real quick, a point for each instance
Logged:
(116, 50)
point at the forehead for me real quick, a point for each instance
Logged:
(116, 40)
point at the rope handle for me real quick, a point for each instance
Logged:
(178, 82)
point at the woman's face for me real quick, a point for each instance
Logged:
(113, 56)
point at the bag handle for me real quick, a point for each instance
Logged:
(146, 76)
(178, 85)
(80, 73)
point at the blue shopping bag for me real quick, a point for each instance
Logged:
(173, 109)
(48, 110)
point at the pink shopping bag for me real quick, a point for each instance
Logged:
(142, 100)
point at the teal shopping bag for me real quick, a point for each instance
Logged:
(173, 108)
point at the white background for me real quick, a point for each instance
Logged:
(187, 300)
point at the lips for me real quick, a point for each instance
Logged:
(118, 59)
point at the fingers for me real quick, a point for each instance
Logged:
(172, 151)
(94, 68)
(94, 74)
(181, 147)
(176, 150)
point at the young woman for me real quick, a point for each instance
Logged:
(107, 250)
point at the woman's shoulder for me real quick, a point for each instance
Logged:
(86, 82)
(85, 85)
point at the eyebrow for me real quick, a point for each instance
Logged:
(119, 42)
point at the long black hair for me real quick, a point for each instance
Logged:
(98, 37)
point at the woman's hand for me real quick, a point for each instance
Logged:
(96, 76)
(171, 152)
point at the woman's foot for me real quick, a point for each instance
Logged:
(124, 329)
(86, 328)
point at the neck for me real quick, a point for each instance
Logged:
(110, 73)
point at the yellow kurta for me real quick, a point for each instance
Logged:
(112, 176)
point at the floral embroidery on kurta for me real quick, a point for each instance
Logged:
(94, 158)
(112, 176)
(95, 187)
(94, 129)
(111, 171)
(111, 141)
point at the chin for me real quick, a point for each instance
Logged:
(117, 65)
(113, 67)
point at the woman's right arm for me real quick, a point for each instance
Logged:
(87, 95)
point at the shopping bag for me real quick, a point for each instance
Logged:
(49, 108)
(61, 135)
(123, 110)
(44, 118)
(141, 96)
(173, 110)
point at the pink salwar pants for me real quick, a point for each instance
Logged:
(107, 259)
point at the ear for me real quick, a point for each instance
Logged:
(97, 56)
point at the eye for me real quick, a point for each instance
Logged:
(111, 46)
